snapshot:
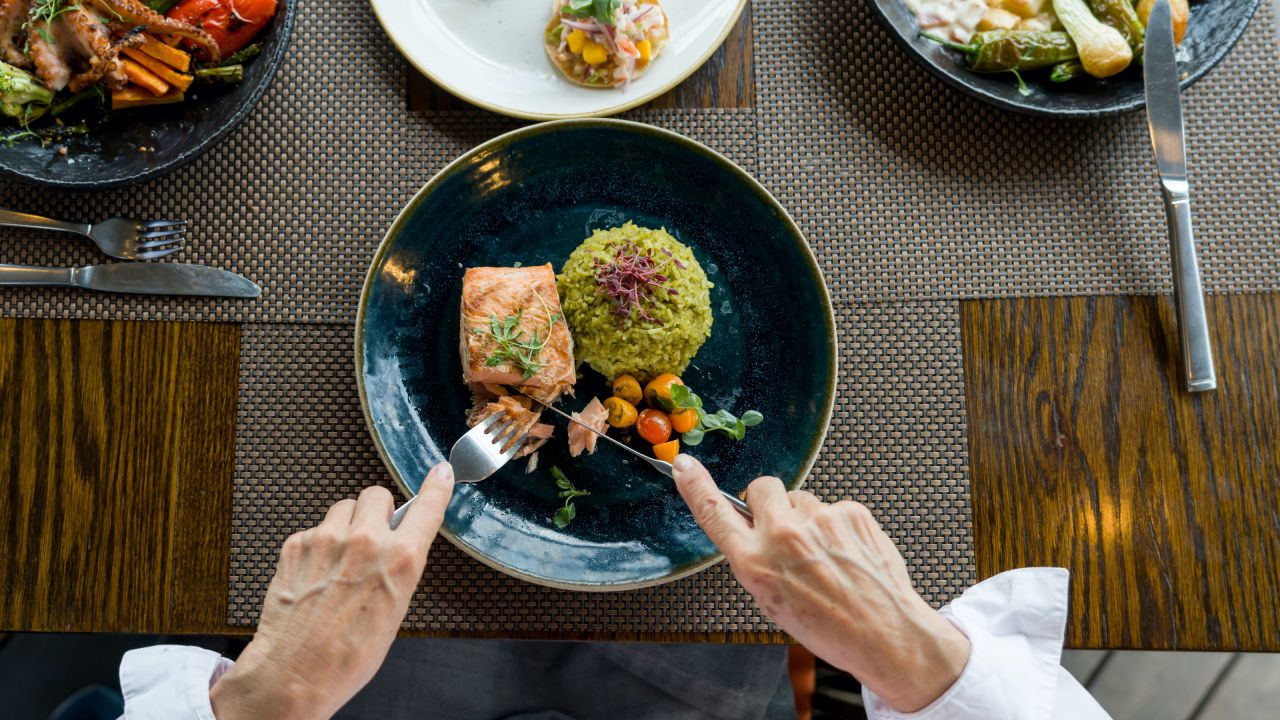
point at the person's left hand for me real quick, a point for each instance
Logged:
(334, 606)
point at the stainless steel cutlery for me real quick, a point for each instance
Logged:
(118, 237)
(136, 278)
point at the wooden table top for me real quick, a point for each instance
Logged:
(117, 453)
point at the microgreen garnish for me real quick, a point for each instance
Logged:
(719, 421)
(48, 11)
(568, 511)
(601, 10)
(631, 276)
(511, 348)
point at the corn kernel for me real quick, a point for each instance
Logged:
(576, 40)
(646, 50)
(594, 53)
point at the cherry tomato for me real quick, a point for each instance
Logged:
(658, 391)
(231, 23)
(667, 451)
(628, 388)
(654, 426)
(684, 420)
(622, 414)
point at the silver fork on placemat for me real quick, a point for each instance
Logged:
(117, 237)
(478, 454)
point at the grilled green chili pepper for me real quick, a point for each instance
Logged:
(1066, 71)
(1004, 50)
(1120, 15)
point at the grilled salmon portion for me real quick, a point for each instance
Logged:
(513, 331)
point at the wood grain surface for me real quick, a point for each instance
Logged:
(727, 80)
(1086, 453)
(116, 445)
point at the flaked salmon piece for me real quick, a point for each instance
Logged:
(519, 409)
(522, 306)
(593, 415)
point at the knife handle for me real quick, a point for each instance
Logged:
(1188, 297)
(27, 275)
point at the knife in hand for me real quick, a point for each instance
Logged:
(659, 465)
(1164, 116)
(137, 278)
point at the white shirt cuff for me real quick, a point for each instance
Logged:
(1015, 623)
(170, 682)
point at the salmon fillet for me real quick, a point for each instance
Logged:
(519, 303)
(522, 306)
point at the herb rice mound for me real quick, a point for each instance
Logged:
(617, 330)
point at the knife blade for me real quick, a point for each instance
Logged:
(1164, 119)
(661, 466)
(137, 278)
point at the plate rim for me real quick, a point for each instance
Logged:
(623, 106)
(274, 60)
(816, 444)
(1061, 113)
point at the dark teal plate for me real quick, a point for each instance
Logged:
(531, 197)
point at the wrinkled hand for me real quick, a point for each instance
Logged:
(832, 579)
(334, 606)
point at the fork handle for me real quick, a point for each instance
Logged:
(27, 275)
(13, 218)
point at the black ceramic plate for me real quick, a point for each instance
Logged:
(1213, 29)
(531, 197)
(108, 156)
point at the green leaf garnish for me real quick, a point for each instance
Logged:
(568, 511)
(720, 421)
(512, 349)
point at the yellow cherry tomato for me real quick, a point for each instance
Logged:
(622, 414)
(682, 421)
(658, 391)
(654, 426)
(628, 388)
(667, 451)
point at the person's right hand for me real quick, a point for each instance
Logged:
(339, 594)
(831, 578)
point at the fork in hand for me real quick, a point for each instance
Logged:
(117, 237)
(479, 453)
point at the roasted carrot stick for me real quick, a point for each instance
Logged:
(171, 56)
(161, 70)
(145, 78)
(134, 96)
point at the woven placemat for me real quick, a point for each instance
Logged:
(896, 443)
(908, 190)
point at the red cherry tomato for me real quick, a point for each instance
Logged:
(231, 23)
(654, 426)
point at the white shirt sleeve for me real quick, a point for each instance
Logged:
(1015, 623)
(170, 682)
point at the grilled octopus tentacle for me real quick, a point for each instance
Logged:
(13, 14)
(46, 52)
(133, 11)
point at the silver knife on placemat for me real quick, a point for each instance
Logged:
(136, 278)
(1164, 116)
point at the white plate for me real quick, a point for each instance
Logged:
(490, 53)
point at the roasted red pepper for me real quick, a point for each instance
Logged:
(232, 23)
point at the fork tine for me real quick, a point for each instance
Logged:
(153, 254)
(163, 233)
(163, 224)
(163, 242)
(509, 450)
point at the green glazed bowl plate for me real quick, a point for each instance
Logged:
(530, 197)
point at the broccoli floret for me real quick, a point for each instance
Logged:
(22, 96)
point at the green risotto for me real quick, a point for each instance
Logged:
(637, 301)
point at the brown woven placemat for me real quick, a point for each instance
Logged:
(896, 443)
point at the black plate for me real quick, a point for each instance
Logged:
(1212, 31)
(108, 156)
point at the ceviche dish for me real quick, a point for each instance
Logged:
(605, 43)
(67, 64)
(1068, 39)
(631, 304)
